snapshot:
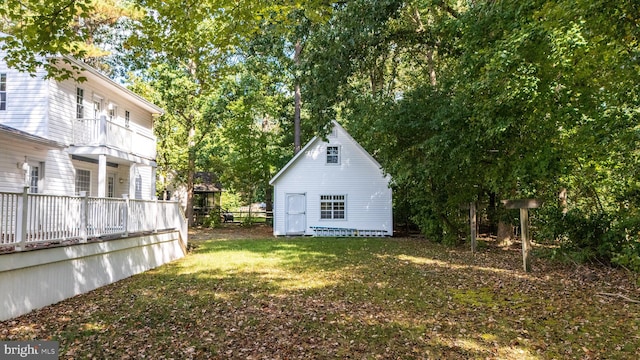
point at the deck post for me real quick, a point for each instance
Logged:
(21, 219)
(84, 216)
(156, 214)
(125, 215)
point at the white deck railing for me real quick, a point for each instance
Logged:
(97, 132)
(27, 219)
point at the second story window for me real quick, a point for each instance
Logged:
(127, 118)
(113, 112)
(3, 91)
(79, 103)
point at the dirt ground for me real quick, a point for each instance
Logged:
(231, 231)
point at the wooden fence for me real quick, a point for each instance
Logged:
(28, 220)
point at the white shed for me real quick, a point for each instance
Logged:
(332, 188)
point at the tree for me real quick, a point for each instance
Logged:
(38, 32)
(490, 100)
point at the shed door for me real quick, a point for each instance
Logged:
(296, 209)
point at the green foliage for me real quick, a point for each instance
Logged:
(629, 256)
(515, 99)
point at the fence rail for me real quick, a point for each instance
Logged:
(31, 219)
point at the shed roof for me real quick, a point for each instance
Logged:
(206, 182)
(314, 140)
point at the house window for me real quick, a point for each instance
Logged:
(3, 91)
(113, 113)
(332, 207)
(333, 155)
(97, 108)
(111, 186)
(36, 172)
(79, 103)
(83, 181)
(127, 118)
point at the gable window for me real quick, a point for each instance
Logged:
(333, 155)
(3, 91)
(83, 181)
(79, 103)
(333, 207)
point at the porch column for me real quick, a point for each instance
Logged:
(153, 183)
(102, 175)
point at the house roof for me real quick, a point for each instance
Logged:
(313, 141)
(206, 182)
(139, 100)
(110, 83)
(4, 129)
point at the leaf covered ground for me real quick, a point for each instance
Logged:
(246, 295)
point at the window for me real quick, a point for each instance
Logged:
(35, 177)
(97, 108)
(333, 155)
(113, 112)
(111, 186)
(332, 207)
(3, 91)
(127, 118)
(83, 181)
(79, 103)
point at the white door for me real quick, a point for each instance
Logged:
(296, 214)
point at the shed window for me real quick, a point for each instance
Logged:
(3, 91)
(332, 207)
(333, 155)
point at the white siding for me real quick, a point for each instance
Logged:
(47, 108)
(57, 166)
(62, 110)
(62, 98)
(121, 172)
(142, 182)
(368, 197)
(26, 101)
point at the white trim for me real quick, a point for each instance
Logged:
(312, 141)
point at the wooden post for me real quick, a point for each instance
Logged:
(125, 215)
(524, 205)
(526, 242)
(22, 215)
(472, 224)
(84, 216)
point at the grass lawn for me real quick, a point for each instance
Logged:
(253, 298)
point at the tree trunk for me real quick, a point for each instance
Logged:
(298, 101)
(505, 234)
(191, 169)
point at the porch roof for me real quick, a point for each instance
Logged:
(4, 129)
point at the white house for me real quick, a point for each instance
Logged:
(332, 188)
(64, 137)
(59, 139)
